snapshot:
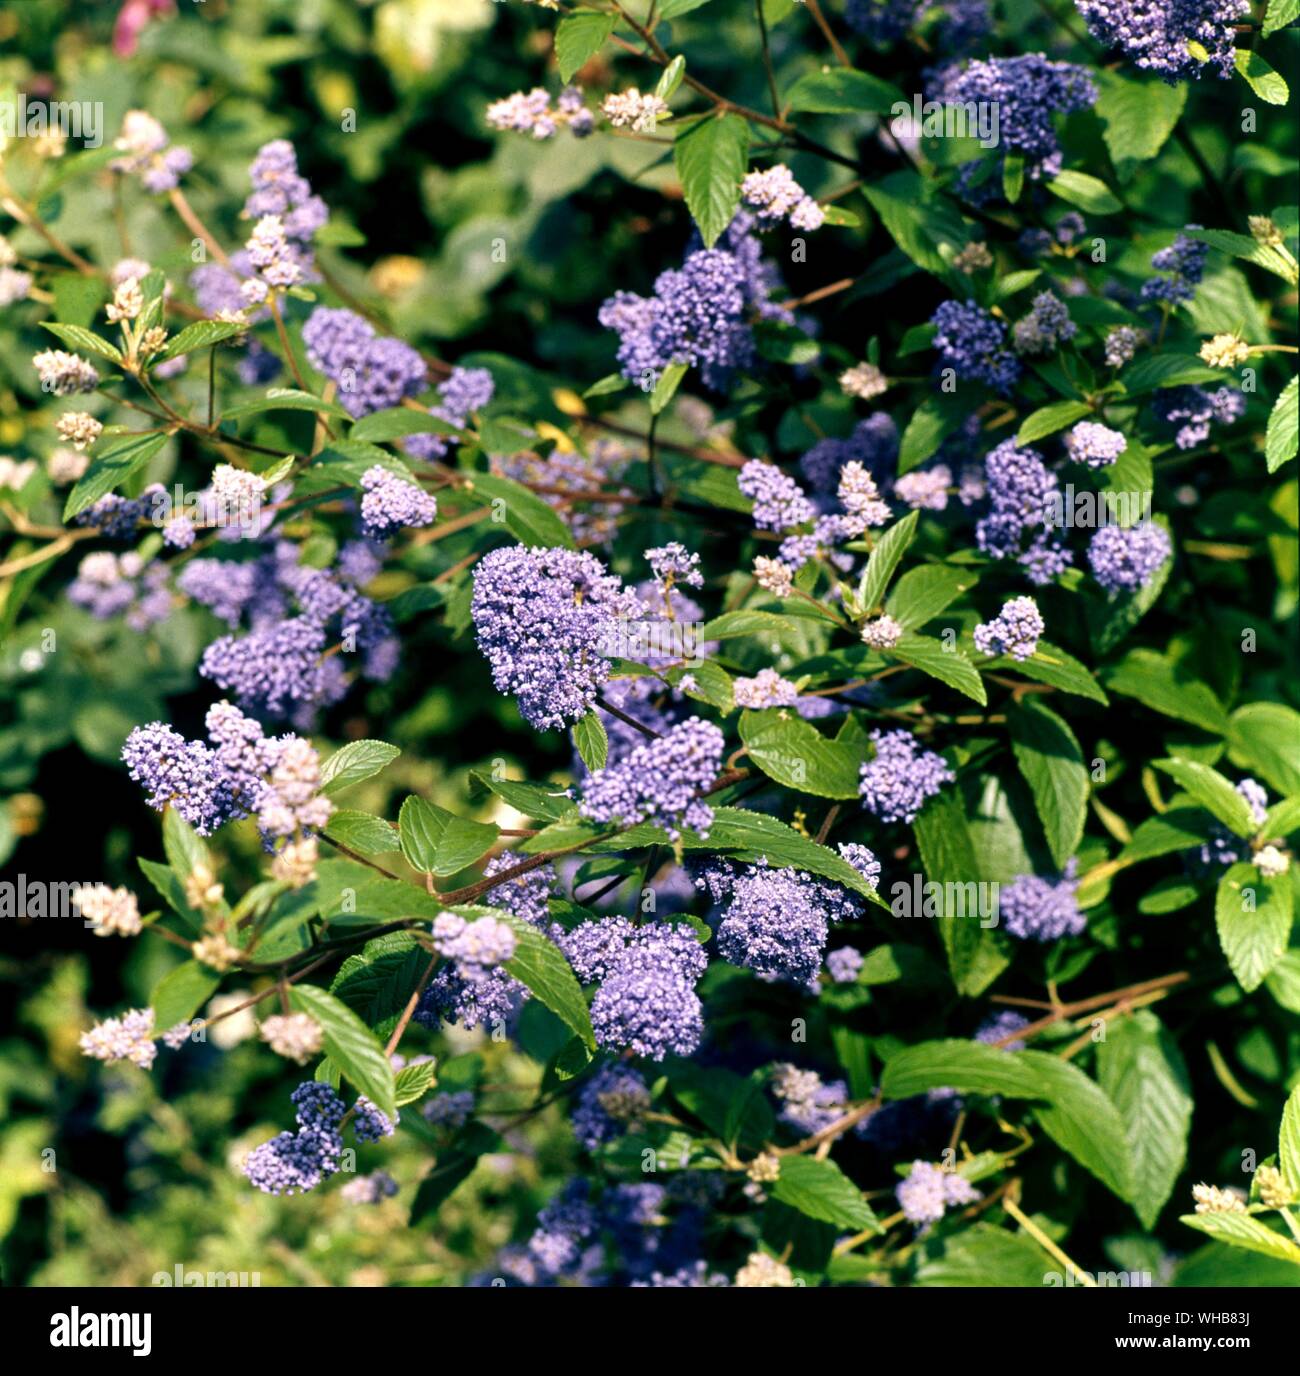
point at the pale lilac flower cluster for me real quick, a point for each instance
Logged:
(882, 633)
(674, 564)
(779, 502)
(527, 896)
(808, 1104)
(1036, 909)
(634, 111)
(14, 285)
(1046, 327)
(973, 343)
(1126, 558)
(1157, 34)
(860, 497)
(775, 195)
(1183, 266)
(369, 1189)
(128, 1038)
(64, 374)
(461, 394)
(766, 689)
(280, 190)
(1015, 630)
(531, 112)
(844, 964)
(542, 616)
(1193, 410)
(1096, 445)
(1029, 91)
(109, 585)
(1020, 488)
(659, 782)
(993, 1029)
(373, 372)
(147, 152)
(391, 504)
(369, 1123)
(450, 1110)
(929, 1190)
(896, 784)
(925, 489)
(477, 948)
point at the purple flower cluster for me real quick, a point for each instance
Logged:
(808, 1104)
(372, 372)
(929, 1190)
(464, 392)
(109, 585)
(609, 1104)
(660, 780)
(973, 343)
(295, 1162)
(147, 152)
(1046, 327)
(1014, 631)
(873, 444)
(1096, 445)
(1183, 266)
(779, 502)
(902, 777)
(1157, 34)
(280, 190)
(1029, 91)
(392, 503)
(1126, 558)
(1020, 489)
(1003, 1024)
(1035, 909)
(844, 964)
(1193, 410)
(542, 616)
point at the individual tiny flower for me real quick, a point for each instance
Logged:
(295, 1036)
(64, 374)
(973, 258)
(111, 912)
(902, 777)
(79, 428)
(1126, 558)
(1015, 630)
(1210, 1199)
(634, 111)
(128, 1038)
(766, 689)
(1094, 444)
(392, 503)
(1225, 351)
(864, 381)
(1271, 862)
(215, 951)
(882, 633)
(844, 963)
(764, 1272)
(773, 576)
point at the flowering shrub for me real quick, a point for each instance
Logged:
(753, 687)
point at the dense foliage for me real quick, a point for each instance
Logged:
(661, 638)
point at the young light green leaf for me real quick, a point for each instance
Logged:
(1253, 915)
(591, 741)
(356, 761)
(579, 37)
(884, 560)
(78, 337)
(711, 157)
(1283, 435)
(1267, 84)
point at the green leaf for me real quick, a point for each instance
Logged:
(711, 157)
(1280, 14)
(77, 337)
(843, 91)
(949, 666)
(1280, 441)
(1267, 84)
(1244, 1230)
(436, 841)
(414, 1082)
(920, 219)
(732, 624)
(884, 560)
(821, 1190)
(1013, 176)
(579, 38)
(786, 748)
(378, 981)
(350, 1044)
(185, 849)
(116, 461)
(539, 964)
(1047, 420)
(1052, 763)
(453, 1168)
(930, 424)
(1138, 116)
(1140, 1068)
(202, 334)
(362, 832)
(1178, 829)
(1264, 737)
(286, 399)
(671, 9)
(671, 76)
(948, 857)
(1288, 1142)
(1074, 1111)
(397, 422)
(547, 802)
(1253, 915)
(354, 762)
(591, 741)
(665, 388)
(1089, 193)
(1213, 792)
(1161, 685)
(922, 593)
(1283, 981)
(1152, 371)
(526, 516)
(982, 1255)
(181, 993)
(1050, 664)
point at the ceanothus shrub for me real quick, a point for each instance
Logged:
(895, 618)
